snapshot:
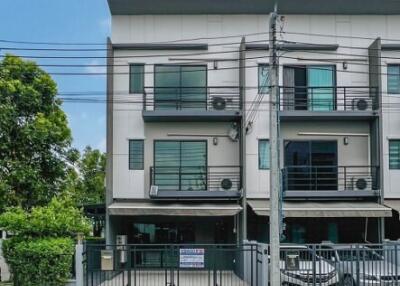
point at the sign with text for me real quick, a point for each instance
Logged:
(191, 258)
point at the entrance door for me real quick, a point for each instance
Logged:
(311, 165)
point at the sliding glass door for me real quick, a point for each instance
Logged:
(321, 94)
(180, 87)
(311, 165)
(180, 165)
(309, 87)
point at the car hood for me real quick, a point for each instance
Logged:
(377, 267)
(306, 267)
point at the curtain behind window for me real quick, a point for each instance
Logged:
(321, 95)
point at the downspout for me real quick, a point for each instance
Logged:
(242, 94)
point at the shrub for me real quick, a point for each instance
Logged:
(41, 249)
(41, 261)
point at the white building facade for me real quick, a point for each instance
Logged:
(188, 122)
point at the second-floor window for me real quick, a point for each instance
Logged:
(310, 87)
(263, 154)
(136, 154)
(180, 165)
(136, 78)
(394, 154)
(263, 78)
(393, 78)
(180, 87)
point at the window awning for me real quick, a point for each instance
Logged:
(324, 209)
(393, 204)
(148, 208)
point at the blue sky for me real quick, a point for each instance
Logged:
(65, 21)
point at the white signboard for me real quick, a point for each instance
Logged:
(191, 258)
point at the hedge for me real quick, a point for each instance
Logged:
(41, 261)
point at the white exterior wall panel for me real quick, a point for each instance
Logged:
(150, 28)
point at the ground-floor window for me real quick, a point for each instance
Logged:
(316, 230)
(177, 230)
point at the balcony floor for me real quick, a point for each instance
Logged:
(341, 115)
(201, 195)
(190, 115)
(349, 194)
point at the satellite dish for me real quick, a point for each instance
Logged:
(233, 132)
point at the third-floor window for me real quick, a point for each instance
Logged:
(180, 87)
(310, 87)
(393, 78)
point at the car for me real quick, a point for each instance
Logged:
(301, 267)
(361, 265)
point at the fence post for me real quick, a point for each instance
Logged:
(264, 273)
(79, 264)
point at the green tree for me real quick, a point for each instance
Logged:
(86, 177)
(34, 135)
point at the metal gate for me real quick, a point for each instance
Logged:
(172, 265)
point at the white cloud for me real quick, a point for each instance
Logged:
(102, 145)
(96, 67)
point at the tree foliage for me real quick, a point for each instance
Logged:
(34, 135)
(60, 218)
(86, 178)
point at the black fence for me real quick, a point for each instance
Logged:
(197, 178)
(329, 98)
(217, 98)
(333, 178)
(172, 265)
(242, 265)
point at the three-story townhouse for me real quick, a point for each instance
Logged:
(188, 121)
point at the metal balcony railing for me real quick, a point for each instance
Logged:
(329, 98)
(216, 98)
(330, 178)
(196, 178)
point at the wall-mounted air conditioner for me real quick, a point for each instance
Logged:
(220, 103)
(361, 183)
(228, 184)
(362, 104)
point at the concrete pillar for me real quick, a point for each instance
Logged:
(79, 264)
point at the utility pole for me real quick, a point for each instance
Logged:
(275, 184)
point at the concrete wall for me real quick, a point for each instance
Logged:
(128, 123)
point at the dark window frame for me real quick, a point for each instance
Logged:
(132, 91)
(205, 66)
(397, 165)
(387, 78)
(205, 141)
(131, 156)
(259, 153)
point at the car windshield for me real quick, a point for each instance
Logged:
(303, 254)
(358, 254)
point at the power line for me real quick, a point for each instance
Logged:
(158, 42)
(339, 36)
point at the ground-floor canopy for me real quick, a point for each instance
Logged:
(323, 209)
(149, 208)
(393, 204)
